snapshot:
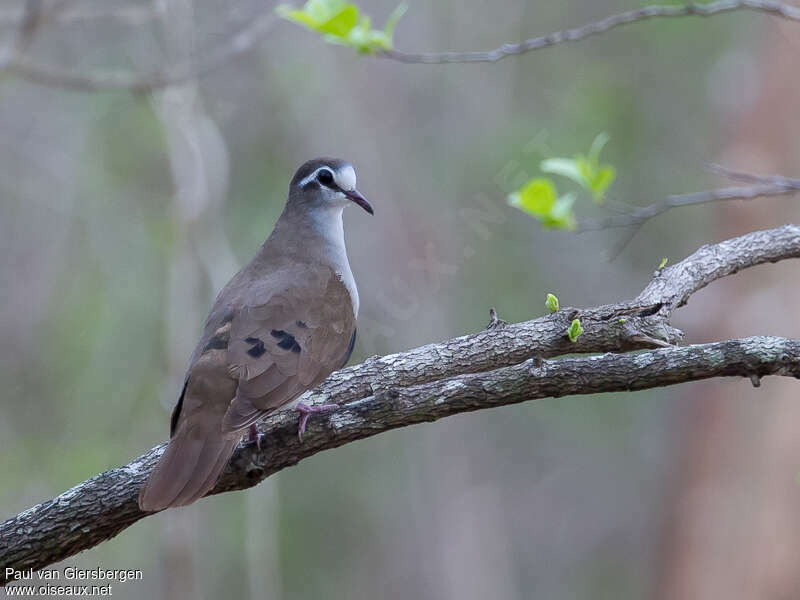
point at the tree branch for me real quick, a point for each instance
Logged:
(503, 364)
(773, 185)
(106, 504)
(673, 285)
(254, 33)
(777, 9)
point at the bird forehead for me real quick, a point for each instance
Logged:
(345, 177)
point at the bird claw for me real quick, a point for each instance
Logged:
(306, 411)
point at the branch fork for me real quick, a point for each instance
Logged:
(503, 364)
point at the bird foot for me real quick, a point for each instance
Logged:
(306, 411)
(254, 436)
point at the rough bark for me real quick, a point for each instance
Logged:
(503, 364)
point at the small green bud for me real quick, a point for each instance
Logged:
(551, 303)
(575, 330)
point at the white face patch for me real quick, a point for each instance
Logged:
(311, 177)
(345, 178)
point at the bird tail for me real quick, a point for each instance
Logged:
(188, 469)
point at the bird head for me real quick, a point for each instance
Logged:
(327, 182)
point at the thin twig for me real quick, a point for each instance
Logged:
(251, 35)
(746, 177)
(767, 186)
(777, 9)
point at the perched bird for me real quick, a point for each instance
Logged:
(278, 328)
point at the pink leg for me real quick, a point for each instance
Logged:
(254, 435)
(306, 411)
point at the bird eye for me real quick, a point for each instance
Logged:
(325, 177)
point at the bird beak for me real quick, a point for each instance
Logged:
(356, 197)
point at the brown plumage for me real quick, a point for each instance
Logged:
(278, 328)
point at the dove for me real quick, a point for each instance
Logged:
(279, 327)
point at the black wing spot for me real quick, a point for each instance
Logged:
(302, 325)
(258, 347)
(287, 342)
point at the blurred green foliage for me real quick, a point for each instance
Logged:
(540, 199)
(585, 170)
(343, 23)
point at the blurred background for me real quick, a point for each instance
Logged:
(122, 213)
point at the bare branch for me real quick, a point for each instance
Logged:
(764, 186)
(500, 365)
(777, 9)
(674, 285)
(746, 177)
(251, 35)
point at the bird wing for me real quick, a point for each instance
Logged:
(293, 329)
(267, 340)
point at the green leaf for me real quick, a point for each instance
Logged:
(561, 215)
(575, 330)
(367, 40)
(601, 181)
(597, 146)
(551, 303)
(566, 167)
(586, 171)
(325, 10)
(341, 22)
(537, 197)
(391, 22)
(298, 16)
